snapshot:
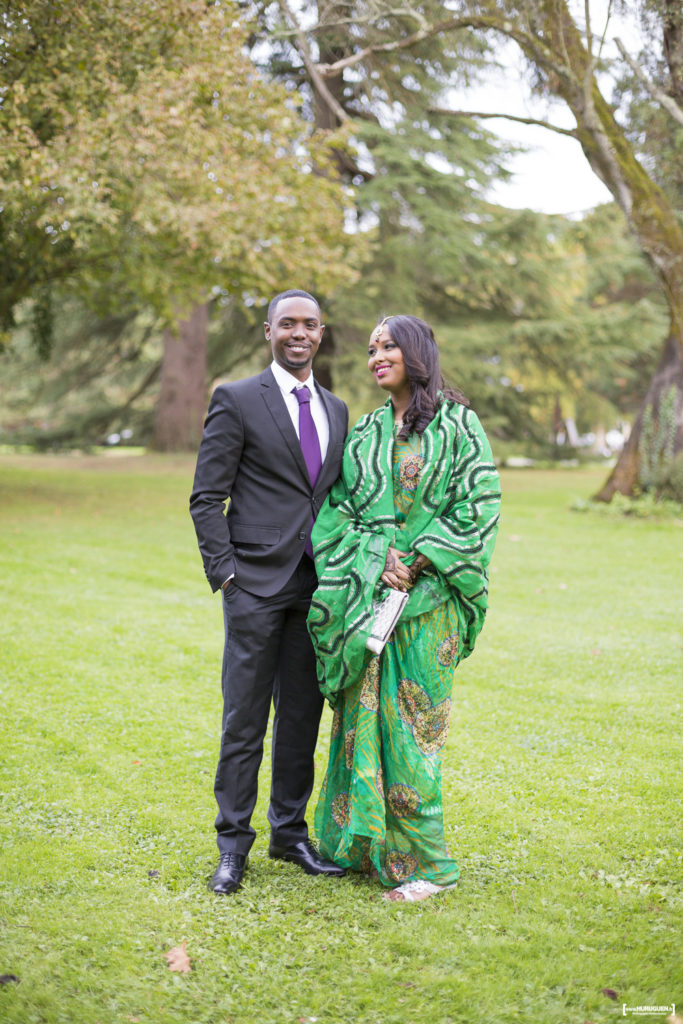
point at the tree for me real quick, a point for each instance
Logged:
(565, 59)
(543, 308)
(412, 171)
(550, 309)
(144, 162)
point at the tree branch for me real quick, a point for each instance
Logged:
(528, 43)
(657, 94)
(571, 132)
(317, 80)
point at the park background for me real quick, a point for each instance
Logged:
(163, 172)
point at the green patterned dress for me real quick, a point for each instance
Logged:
(380, 807)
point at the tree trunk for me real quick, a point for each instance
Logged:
(624, 478)
(324, 360)
(182, 398)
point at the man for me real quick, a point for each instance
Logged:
(272, 445)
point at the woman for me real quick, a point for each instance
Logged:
(416, 508)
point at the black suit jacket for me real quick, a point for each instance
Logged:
(250, 455)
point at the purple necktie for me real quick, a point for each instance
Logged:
(310, 444)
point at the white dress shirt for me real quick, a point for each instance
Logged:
(286, 382)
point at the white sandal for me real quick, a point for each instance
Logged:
(411, 892)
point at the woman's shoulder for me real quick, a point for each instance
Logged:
(466, 427)
(368, 420)
(461, 415)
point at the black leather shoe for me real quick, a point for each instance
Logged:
(307, 857)
(228, 875)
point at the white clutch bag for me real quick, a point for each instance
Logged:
(385, 615)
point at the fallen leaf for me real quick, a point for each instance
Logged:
(153, 874)
(5, 979)
(611, 994)
(178, 960)
(596, 650)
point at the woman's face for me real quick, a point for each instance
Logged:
(385, 362)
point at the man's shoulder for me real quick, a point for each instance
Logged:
(330, 397)
(244, 386)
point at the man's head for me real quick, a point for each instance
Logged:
(294, 330)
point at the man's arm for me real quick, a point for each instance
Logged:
(217, 463)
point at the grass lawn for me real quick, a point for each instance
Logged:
(562, 780)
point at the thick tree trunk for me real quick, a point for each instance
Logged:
(182, 398)
(625, 478)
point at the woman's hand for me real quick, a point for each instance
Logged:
(420, 563)
(396, 574)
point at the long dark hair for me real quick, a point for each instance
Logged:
(415, 338)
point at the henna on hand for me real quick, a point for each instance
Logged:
(396, 574)
(420, 563)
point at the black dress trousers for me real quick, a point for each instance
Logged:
(268, 656)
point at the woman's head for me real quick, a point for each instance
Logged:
(422, 372)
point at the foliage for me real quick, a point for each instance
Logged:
(564, 53)
(442, 251)
(656, 136)
(144, 160)
(561, 785)
(646, 505)
(532, 313)
(538, 309)
(102, 375)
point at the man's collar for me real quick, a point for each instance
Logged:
(286, 380)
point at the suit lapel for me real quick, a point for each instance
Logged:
(272, 396)
(335, 435)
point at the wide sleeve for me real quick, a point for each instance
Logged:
(459, 540)
(349, 559)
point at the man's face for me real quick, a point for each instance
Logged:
(295, 334)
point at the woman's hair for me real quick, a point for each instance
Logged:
(415, 339)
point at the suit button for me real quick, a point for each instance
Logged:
(302, 536)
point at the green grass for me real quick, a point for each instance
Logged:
(562, 780)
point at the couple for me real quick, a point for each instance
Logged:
(409, 502)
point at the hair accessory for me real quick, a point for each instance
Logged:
(378, 329)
